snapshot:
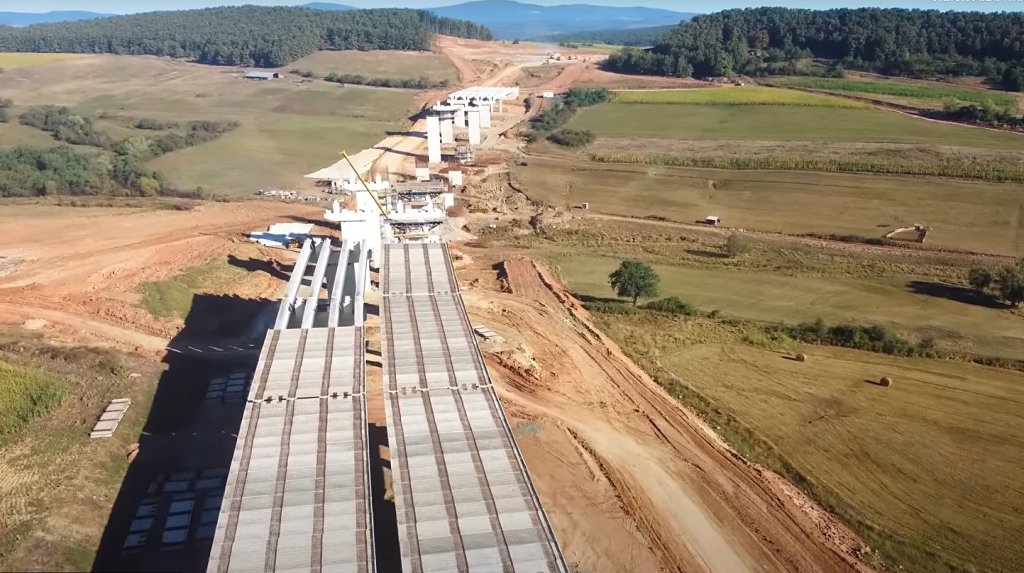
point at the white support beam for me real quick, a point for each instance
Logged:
(309, 312)
(447, 130)
(298, 272)
(362, 275)
(473, 116)
(433, 139)
(338, 288)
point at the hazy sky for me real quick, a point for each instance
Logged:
(126, 6)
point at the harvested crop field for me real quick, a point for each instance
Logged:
(972, 215)
(379, 64)
(900, 89)
(927, 470)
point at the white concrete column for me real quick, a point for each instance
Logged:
(501, 106)
(460, 117)
(485, 115)
(433, 139)
(473, 118)
(447, 130)
(455, 177)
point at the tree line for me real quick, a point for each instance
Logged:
(119, 170)
(241, 36)
(888, 41)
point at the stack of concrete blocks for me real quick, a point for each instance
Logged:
(112, 415)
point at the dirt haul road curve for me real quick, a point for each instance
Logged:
(632, 481)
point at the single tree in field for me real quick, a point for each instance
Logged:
(1011, 284)
(634, 279)
(979, 278)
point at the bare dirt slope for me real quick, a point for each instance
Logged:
(79, 268)
(631, 480)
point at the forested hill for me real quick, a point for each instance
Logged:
(892, 41)
(245, 35)
(631, 37)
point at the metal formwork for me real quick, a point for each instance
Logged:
(463, 497)
(297, 493)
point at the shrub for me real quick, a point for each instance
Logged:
(585, 97)
(873, 338)
(671, 305)
(979, 278)
(574, 138)
(737, 245)
(154, 124)
(610, 307)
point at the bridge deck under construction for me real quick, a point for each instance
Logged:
(296, 496)
(463, 497)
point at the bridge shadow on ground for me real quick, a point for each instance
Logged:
(955, 293)
(165, 513)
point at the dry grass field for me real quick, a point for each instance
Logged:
(379, 64)
(970, 215)
(928, 471)
(15, 60)
(286, 129)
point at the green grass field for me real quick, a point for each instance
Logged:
(927, 471)
(986, 217)
(286, 129)
(380, 64)
(915, 91)
(772, 296)
(172, 298)
(25, 394)
(781, 123)
(747, 95)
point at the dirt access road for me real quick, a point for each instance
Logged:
(631, 480)
(79, 269)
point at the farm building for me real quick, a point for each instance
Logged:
(262, 76)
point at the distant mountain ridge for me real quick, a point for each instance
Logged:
(509, 20)
(30, 18)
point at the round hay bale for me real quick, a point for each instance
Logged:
(885, 381)
(801, 357)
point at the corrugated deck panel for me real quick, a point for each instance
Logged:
(460, 492)
(439, 336)
(336, 352)
(418, 268)
(268, 520)
(297, 493)
(463, 497)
